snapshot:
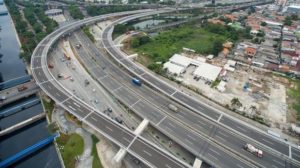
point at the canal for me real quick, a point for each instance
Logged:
(11, 66)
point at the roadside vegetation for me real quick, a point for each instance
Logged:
(87, 32)
(96, 160)
(204, 40)
(75, 12)
(49, 106)
(41, 24)
(70, 146)
(100, 10)
(121, 29)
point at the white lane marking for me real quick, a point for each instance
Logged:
(103, 77)
(221, 138)
(45, 81)
(290, 151)
(274, 166)
(282, 164)
(223, 134)
(168, 129)
(161, 120)
(58, 94)
(72, 108)
(189, 136)
(127, 140)
(186, 140)
(117, 89)
(241, 128)
(213, 157)
(220, 118)
(201, 122)
(76, 104)
(173, 93)
(87, 115)
(66, 99)
(294, 154)
(168, 166)
(268, 141)
(135, 103)
(109, 128)
(172, 125)
(94, 119)
(147, 153)
(239, 166)
(215, 152)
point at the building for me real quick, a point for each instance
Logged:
(177, 65)
(54, 12)
(250, 51)
(207, 72)
(173, 69)
(293, 9)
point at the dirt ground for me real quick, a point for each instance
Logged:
(267, 95)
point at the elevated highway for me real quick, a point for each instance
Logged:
(49, 84)
(139, 147)
(235, 134)
(145, 103)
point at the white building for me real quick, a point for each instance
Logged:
(54, 12)
(173, 68)
(207, 72)
(177, 65)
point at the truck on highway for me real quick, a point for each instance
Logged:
(173, 107)
(136, 82)
(22, 88)
(250, 148)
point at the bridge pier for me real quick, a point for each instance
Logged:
(122, 152)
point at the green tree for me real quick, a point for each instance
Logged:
(288, 21)
(75, 12)
(263, 24)
(135, 42)
(235, 102)
(217, 47)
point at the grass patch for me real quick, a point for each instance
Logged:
(49, 106)
(70, 147)
(96, 160)
(164, 45)
(294, 93)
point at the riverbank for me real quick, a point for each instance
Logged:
(14, 27)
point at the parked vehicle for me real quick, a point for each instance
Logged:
(136, 82)
(250, 148)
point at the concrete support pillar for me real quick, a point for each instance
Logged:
(197, 163)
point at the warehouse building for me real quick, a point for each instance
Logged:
(207, 72)
(178, 64)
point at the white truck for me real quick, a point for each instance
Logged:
(250, 148)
